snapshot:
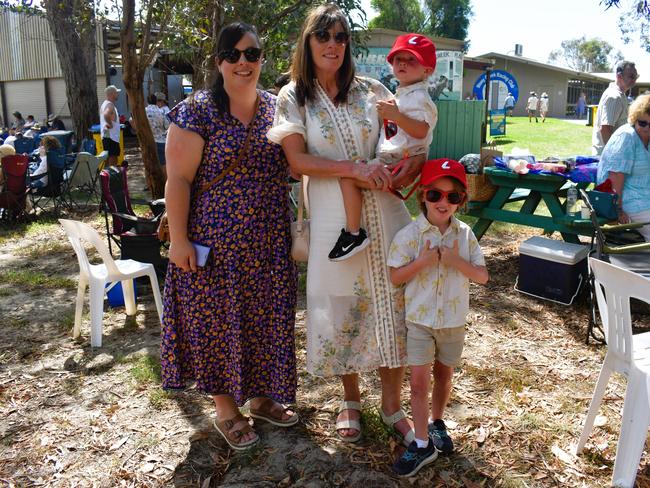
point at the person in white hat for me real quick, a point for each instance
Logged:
(109, 121)
(543, 106)
(531, 106)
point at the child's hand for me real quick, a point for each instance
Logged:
(449, 255)
(388, 109)
(429, 256)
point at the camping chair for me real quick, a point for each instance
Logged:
(620, 245)
(96, 276)
(137, 237)
(56, 184)
(13, 196)
(628, 355)
(83, 175)
(24, 145)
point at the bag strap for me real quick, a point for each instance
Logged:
(206, 186)
(301, 204)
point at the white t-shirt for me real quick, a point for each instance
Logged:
(612, 110)
(414, 102)
(543, 104)
(532, 103)
(41, 169)
(113, 132)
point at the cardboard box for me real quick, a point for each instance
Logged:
(552, 270)
(487, 155)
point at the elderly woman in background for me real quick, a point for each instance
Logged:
(328, 124)
(626, 162)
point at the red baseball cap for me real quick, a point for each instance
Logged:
(435, 169)
(420, 46)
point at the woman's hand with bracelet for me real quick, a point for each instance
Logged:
(375, 176)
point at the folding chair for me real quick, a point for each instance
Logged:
(24, 145)
(628, 355)
(55, 187)
(83, 175)
(13, 196)
(96, 276)
(620, 245)
(136, 237)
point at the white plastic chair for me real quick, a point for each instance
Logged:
(98, 275)
(628, 355)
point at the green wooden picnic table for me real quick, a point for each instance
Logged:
(533, 189)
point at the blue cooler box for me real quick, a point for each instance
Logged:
(115, 295)
(552, 270)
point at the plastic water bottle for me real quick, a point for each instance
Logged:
(571, 201)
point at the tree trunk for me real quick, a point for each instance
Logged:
(133, 70)
(73, 26)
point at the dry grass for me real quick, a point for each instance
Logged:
(74, 416)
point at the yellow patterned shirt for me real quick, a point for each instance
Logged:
(438, 296)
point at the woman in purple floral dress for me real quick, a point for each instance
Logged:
(229, 325)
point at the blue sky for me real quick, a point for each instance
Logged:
(497, 25)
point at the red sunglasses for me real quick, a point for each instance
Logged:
(454, 197)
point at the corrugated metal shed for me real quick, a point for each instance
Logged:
(29, 52)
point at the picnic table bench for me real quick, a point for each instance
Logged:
(532, 189)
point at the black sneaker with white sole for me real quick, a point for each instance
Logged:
(440, 436)
(348, 245)
(415, 458)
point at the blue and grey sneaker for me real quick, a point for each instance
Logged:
(441, 439)
(415, 458)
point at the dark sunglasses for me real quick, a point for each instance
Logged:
(390, 128)
(324, 36)
(252, 55)
(643, 123)
(453, 197)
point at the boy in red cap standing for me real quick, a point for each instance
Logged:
(436, 256)
(409, 121)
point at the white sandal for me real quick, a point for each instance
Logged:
(350, 423)
(391, 420)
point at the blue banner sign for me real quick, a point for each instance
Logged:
(506, 83)
(498, 122)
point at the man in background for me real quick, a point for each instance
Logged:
(612, 108)
(109, 122)
(532, 106)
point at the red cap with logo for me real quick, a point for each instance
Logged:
(420, 46)
(435, 169)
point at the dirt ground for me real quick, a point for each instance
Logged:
(73, 416)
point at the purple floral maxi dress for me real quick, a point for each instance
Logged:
(230, 325)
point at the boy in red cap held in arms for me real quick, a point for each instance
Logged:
(436, 256)
(409, 121)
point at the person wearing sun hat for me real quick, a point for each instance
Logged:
(543, 106)
(435, 256)
(532, 106)
(409, 121)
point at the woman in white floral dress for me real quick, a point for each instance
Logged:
(326, 120)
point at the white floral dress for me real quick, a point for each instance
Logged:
(355, 317)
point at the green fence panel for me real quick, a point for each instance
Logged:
(458, 131)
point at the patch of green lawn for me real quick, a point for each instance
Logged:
(555, 137)
(33, 280)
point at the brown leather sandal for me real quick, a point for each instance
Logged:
(272, 412)
(232, 430)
